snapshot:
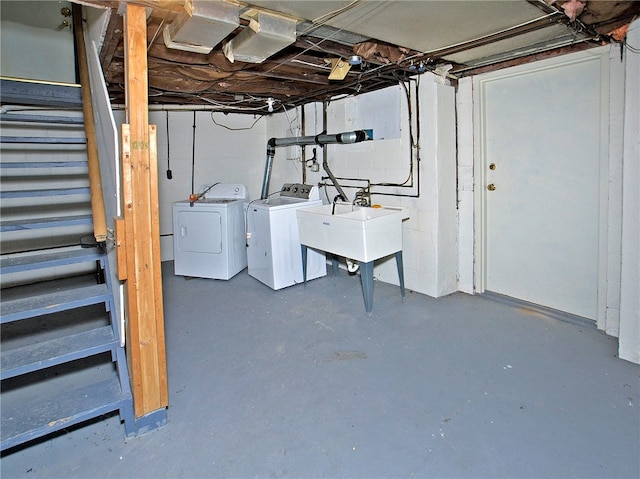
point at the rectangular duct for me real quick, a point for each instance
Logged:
(201, 26)
(266, 35)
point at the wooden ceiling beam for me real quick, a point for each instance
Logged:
(283, 72)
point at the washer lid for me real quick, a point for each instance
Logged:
(284, 202)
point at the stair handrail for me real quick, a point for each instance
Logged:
(95, 180)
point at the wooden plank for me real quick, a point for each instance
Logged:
(146, 347)
(121, 247)
(111, 39)
(95, 179)
(157, 270)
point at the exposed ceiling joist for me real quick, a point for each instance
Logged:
(395, 40)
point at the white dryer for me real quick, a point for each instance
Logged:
(209, 238)
(274, 254)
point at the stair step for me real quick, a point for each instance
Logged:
(45, 193)
(45, 164)
(48, 119)
(18, 92)
(29, 420)
(61, 359)
(42, 260)
(52, 302)
(39, 223)
(48, 140)
(34, 357)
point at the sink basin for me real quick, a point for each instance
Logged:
(359, 233)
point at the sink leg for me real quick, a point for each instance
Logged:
(304, 263)
(400, 271)
(366, 276)
(335, 263)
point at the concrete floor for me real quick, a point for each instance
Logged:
(301, 383)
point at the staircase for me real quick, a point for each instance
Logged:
(62, 362)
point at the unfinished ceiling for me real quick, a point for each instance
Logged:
(260, 56)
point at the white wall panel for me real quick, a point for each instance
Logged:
(629, 339)
(30, 37)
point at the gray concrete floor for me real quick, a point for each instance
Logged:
(301, 383)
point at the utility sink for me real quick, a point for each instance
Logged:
(359, 233)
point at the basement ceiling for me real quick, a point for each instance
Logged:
(395, 41)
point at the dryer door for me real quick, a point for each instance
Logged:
(199, 231)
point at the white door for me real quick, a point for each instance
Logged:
(544, 147)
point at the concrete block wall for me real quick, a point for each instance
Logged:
(466, 198)
(430, 234)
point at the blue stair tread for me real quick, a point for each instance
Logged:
(52, 302)
(38, 223)
(34, 357)
(17, 92)
(43, 193)
(21, 118)
(30, 420)
(43, 140)
(47, 260)
(44, 164)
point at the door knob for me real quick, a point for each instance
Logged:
(491, 187)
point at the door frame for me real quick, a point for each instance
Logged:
(481, 164)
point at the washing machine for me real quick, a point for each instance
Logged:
(273, 244)
(209, 238)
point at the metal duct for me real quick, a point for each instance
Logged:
(265, 36)
(201, 26)
(322, 139)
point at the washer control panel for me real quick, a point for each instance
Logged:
(299, 190)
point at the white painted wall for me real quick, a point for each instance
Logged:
(629, 339)
(221, 155)
(30, 37)
(466, 196)
(430, 248)
(610, 323)
(429, 243)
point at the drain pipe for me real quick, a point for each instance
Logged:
(325, 163)
(321, 139)
(341, 193)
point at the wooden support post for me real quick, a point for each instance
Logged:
(145, 325)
